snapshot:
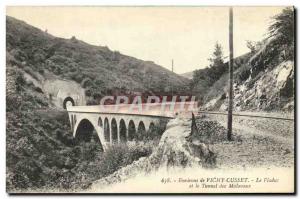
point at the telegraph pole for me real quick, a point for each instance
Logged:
(172, 71)
(230, 101)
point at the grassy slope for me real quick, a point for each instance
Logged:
(41, 153)
(107, 71)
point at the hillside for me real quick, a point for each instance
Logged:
(263, 79)
(98, 69)
(203, 80)
(41, 152)
(188, 75)
(268, 88)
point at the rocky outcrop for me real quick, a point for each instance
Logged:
(271, 89)
(175, 149)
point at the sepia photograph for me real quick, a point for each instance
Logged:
(150, 99)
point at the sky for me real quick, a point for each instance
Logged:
(159, 34)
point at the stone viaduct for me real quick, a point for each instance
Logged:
(115, 123)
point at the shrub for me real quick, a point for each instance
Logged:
(38, 89)
(31, 72)
(20, 81)
(243, 73)
(120, 155)
(209, 132)
(86, 83)
(42, 71)
(88, 93)
(12, 103)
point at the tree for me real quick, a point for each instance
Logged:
(254, 46)
(217, 62)
(283, 26)
(251, 45)
(279, 45)
(217, 58)
(282, 30)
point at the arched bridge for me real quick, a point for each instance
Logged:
(117, 123)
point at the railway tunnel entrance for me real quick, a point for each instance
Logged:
(68, 101)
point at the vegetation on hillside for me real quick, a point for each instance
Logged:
(98, 69)
(204, 79)
(279, 45)
(214, 71)
(265, 55)
(41, 151)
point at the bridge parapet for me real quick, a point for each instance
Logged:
(168, 109)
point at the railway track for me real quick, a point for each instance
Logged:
(246, 115)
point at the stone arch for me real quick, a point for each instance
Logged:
(106, 130)
(131, 130)
(67, 101)
(100, 123)
(87, 132)
(141, 131)
(123, 131)
(151, 127)
(114, 130)
(153, 132)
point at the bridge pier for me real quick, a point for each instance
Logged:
(113, 128)
(127, 134)
(119, 138)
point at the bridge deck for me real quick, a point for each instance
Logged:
(168, 110)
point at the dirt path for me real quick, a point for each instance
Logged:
(259, 143)
(247, 131)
